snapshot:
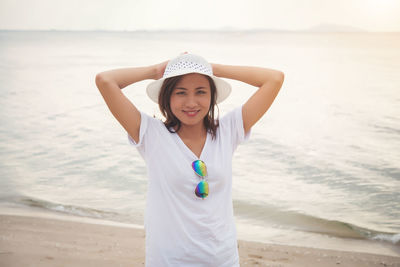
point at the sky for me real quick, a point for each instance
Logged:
(130, 15)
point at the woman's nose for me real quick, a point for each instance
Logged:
(191, 101)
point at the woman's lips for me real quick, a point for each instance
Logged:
(191, 113)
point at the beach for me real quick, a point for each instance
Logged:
(46, 239)
(320, 169)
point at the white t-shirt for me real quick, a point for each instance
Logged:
(181, 228)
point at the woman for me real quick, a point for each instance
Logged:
(189, 215)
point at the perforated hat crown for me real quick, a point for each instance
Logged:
(185, 64)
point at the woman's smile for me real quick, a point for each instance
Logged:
(191, 113)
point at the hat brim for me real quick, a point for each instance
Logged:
(223, 89)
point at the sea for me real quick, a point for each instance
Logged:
(321, 168)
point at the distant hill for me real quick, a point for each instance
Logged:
(334, 28)
(323, 27)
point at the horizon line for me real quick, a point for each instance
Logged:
(311, 30)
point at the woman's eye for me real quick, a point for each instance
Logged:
(201, 92)
(180, 93)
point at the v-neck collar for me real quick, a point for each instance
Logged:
(188, 150)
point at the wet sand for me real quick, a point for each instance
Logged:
(27, 240)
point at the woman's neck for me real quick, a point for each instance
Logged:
(192, 131)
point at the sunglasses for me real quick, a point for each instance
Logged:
(200, 169)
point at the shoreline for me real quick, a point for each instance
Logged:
(47, 239)
(246, 232)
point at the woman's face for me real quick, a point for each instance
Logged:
(190, 99)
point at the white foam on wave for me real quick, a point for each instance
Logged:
(394, 239)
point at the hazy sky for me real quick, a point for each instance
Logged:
(370, 15)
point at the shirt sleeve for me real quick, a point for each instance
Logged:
(143, 127)
(232, 126)
(149, 135)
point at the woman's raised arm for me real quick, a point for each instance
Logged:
(110, 84)
(268, 81)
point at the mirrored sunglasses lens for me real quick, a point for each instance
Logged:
(200, 168)
(202, 189)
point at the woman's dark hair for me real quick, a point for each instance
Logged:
(164, 100)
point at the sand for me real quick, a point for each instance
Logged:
(27, 240)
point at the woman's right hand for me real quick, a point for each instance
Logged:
(160, 68)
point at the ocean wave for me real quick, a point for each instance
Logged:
(69, 209)
(275, 217)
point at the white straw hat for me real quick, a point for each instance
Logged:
(185, 64)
